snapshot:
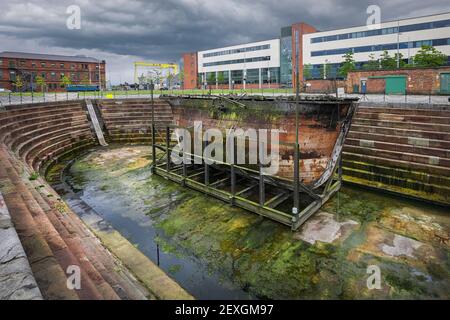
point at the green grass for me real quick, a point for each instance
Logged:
(147, 92)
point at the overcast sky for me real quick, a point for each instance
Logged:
(123, 31)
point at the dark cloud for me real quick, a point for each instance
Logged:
(125, 30)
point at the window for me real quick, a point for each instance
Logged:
(43, 64)
(53, 65)
(238, 50)
(384, 31)
(53, 75)
(12, 75)
(22, 63)
(226, 62)
(1, 62)
(12, 64)
(72, 66)
(1, 74)
(33, 64)
(62, 65)
(61, 75)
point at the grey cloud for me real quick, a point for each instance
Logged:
(161, 30)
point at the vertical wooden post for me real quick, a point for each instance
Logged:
(206, 166)
(153, 128)
(233, 173)
(262, 193)
(168, 148)
(296, 146)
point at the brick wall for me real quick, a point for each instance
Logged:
(418, 80)
(324, 86)
(302, 29)
(190, 70)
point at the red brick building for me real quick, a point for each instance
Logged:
(190, 64)
(79, 69)
(401, 81)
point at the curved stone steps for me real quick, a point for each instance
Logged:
(37, 115)
(53, 151)
(4, 130)
(37, 148)
(436, 135)
(396, 147)
(48, 273)
(413, 141)
(439, 112)
(12, 110)
(403, 125)
(26, 139)
(402, 117)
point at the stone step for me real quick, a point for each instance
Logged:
(403, 125)
(401, 132)
(432, 190)
(11, 135)
(135, 126)
(40, 115)
(48, 106)
(388, 146)
(64, 243)
(31, 150)
(35, 136)
(405, 174)
(24, 122)
(48, 273)
(395, 163)
(413, 141)
(73, 242)
(134, 121)
(61, 251)
(410, 157)
(406, 111)
(56, 150)
(402, 117)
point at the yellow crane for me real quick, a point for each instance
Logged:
(154, 65)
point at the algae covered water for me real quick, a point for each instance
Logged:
(217, 251)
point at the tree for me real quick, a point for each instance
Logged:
(387, 62)
(181, 78)
(372, 64)
(348, 64)
(18, 83)
(40, 81)
(221, 78)
(429, 56)
(170, 78)
(65, 81)
(211, 78)
(307, 71)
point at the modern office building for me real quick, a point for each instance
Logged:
(79, 69)
(273, 62)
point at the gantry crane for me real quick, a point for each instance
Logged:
(154, 65)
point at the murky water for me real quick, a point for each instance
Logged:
(218, 251)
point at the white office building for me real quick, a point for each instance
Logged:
(252, 63)
(271, 62)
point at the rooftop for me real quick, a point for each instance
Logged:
(25, 55)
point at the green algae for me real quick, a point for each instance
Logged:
(257, 254)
